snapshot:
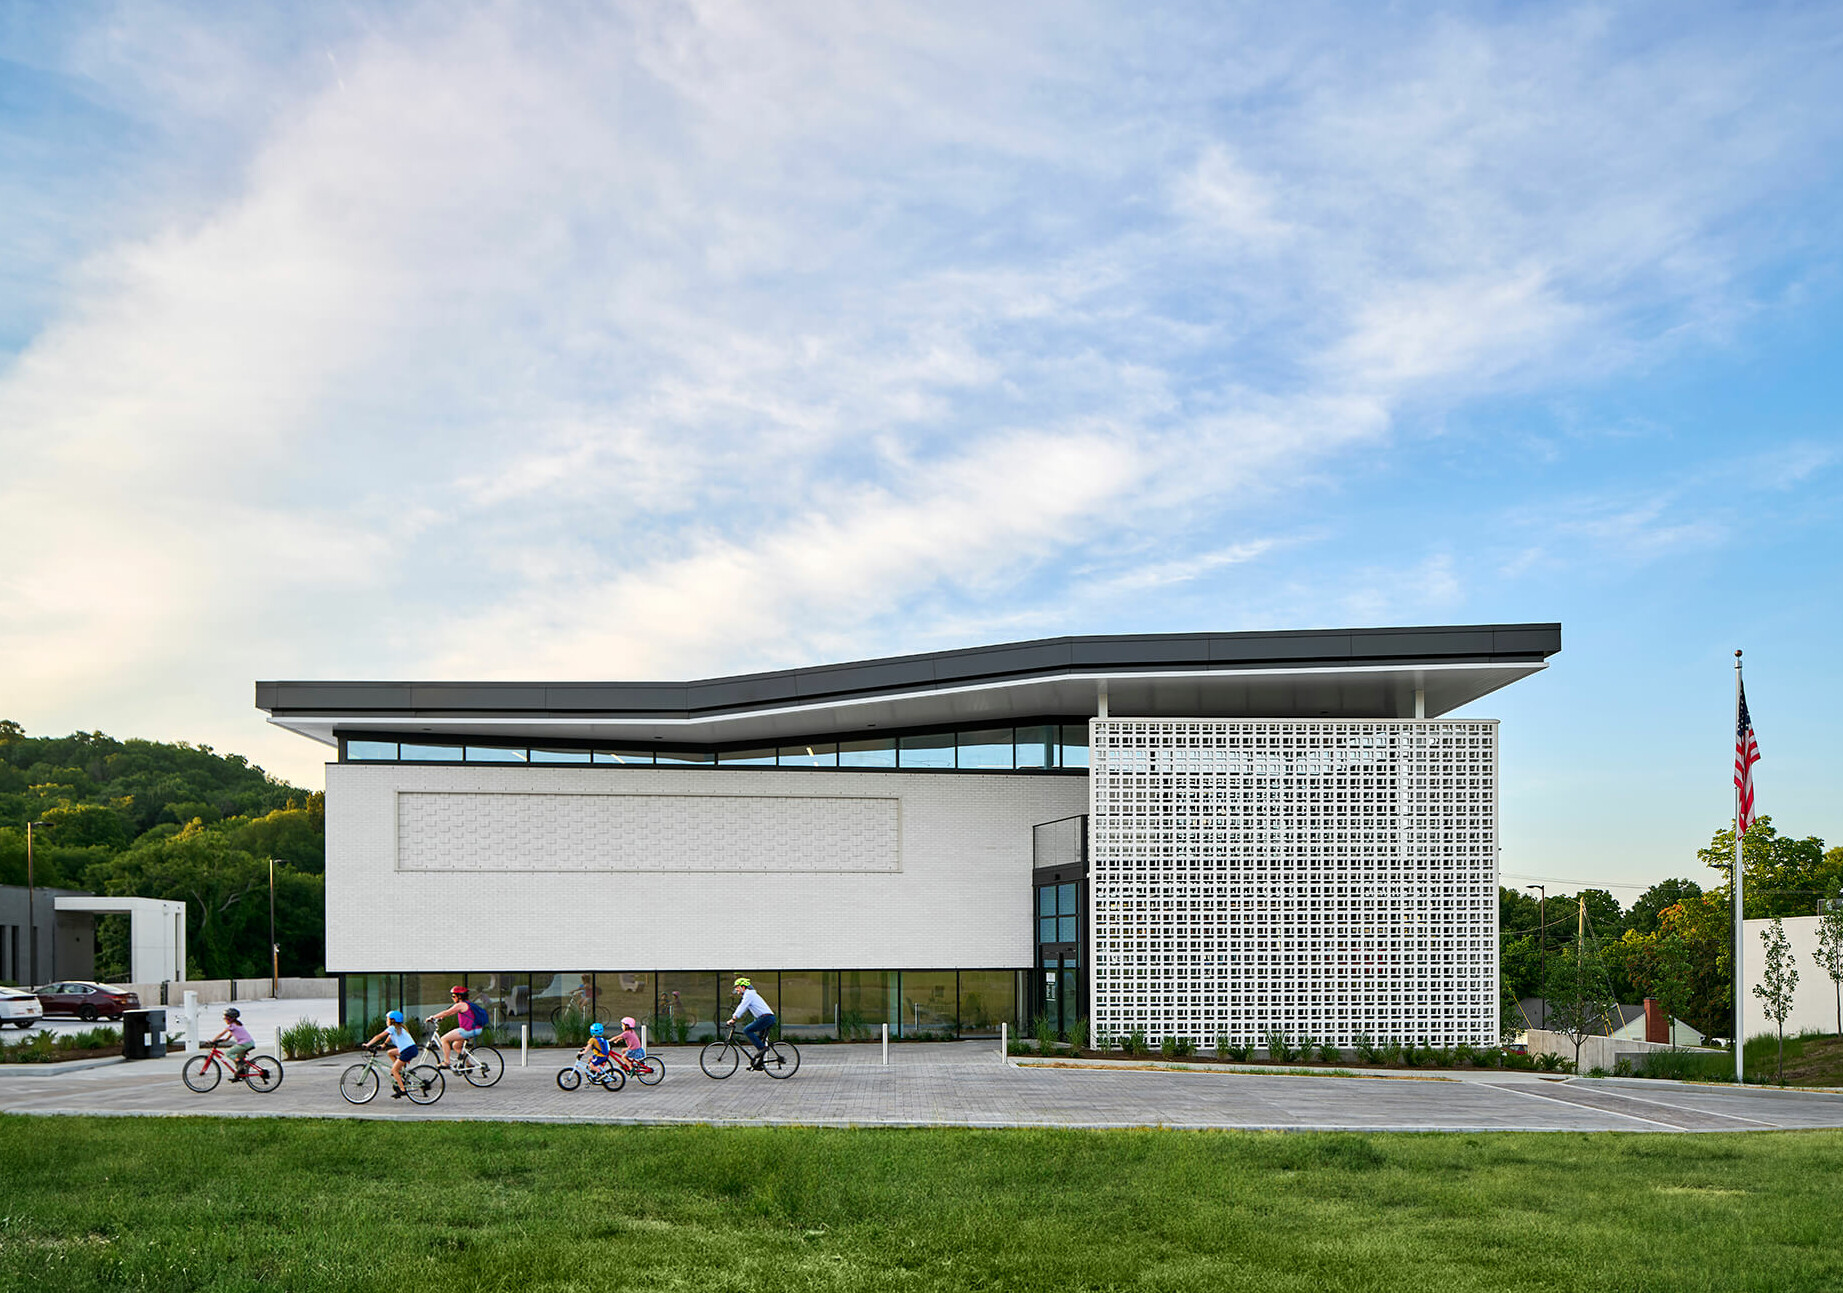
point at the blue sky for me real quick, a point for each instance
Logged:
(684, 339)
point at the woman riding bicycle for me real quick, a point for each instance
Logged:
(470, 1022)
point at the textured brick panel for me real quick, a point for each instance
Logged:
(449, 831)
(1317, 879)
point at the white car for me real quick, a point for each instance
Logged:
(19, 1008)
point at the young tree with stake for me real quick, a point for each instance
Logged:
(1777, 980)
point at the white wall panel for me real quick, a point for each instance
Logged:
(958, 898)
(440, 830)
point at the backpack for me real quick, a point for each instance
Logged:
(476, 1017)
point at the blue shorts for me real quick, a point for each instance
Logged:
(471, 1033)
(408, 1053)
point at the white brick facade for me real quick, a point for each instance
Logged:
(565, 896)
(1321, 879)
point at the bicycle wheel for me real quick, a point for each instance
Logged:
(569, 1079)
(262, 1073)
(650, 1071)
(613, 1079)
(484, 1066)
(359, 1084)
(718, 1059)
(781, 1059)
(424, 1084)
(200, 1073)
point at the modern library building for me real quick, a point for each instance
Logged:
(1203, 836)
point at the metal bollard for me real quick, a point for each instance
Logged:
(886, 1043)
(191, 1022)
(642, 1036)
(1004, 1041)
(524, 1046)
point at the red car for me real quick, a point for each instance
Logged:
(86, 1000)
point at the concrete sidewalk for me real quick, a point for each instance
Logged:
(964, 1084)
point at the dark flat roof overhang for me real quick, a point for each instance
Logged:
(1339, 673)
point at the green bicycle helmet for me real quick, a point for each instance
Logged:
(744, 983)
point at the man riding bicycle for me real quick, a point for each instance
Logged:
(750, 1003)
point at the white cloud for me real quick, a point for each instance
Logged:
(703, 336)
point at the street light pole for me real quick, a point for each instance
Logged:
(1542, 948)
(31, 912)
(275, 948)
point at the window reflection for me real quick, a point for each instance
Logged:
(559, 756)
(430, 753)
(823, 754)
(685, 756)
(386, 750)
(623, 756)
(493, 754)
(879, 753)
(1074, 745)
(989, 749)
(934, 751)
(1036, 747)
(746, 758)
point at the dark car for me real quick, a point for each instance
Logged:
(86, 1000)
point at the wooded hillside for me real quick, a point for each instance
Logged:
(178, 821)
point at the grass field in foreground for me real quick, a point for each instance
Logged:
(238, 1204)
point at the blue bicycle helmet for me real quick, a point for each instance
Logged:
(596, 1030)
(395, 1016)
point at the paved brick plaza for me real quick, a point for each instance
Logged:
(962, 1085)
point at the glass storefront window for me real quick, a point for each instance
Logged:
(425, 995)
(809, 1003)
(367, 997)
(430, 753)
(1074, 745)
(930, 1003)
(1065, 900)
(507, 999)
(989, 749)
(866, 999)
(385, 751)
(685, 756)
(1036, 747)
(549, 991)
(623, 995)
(747, 758)
(821, 755)
(878, 753)
(559, 756)
(688, 1002)
(987, 999)
(623, 756)
(493, 754)
(927, 751)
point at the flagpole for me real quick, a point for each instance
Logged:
(1740, 930)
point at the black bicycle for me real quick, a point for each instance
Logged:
(721, 1058)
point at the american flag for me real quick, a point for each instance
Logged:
(1746, 754)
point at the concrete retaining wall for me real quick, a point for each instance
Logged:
(213, 990)
(1599, 1052)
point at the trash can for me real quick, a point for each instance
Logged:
(143, 1034)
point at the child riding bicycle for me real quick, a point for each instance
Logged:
(403, 1049)
(596, 1050)
(239, 1037)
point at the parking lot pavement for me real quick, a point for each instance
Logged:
(264, 1019)
(956, 1085)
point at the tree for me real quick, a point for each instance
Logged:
(1784, 876)
(1699, 973)
(1777, 982)
(1649, 906)
(1580, 996)
(1829, 954)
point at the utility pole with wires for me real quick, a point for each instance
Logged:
(1542, 949)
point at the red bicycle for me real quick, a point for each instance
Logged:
(257, 1072)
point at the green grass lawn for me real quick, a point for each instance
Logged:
(255, 1204)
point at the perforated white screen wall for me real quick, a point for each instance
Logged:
(1323, 880)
